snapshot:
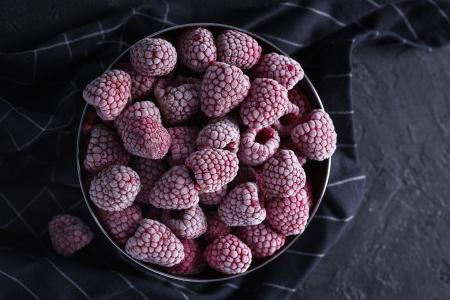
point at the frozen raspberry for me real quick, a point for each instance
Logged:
(315, 137)
(109, 93)
(186, 224)
(135, 110)
(121, 224)
(245, 174)
(90, 119)
(262, 239)
(266, 102)
(193, 261)
(238, 49)
(228, 255)
(223, 88)
(297, 97)
(115, 188)
(68, 234)
(141, 85)
(153, 242)
(197, 49)
(183, 144)
(219, 134)
(216, 228)
(257, 145)
(153, 57)
(175, 190)
(241, 206)
(146, 137)
(179, 101)
(149, 171)
(104, 149)
(288, 120)
(288, 215)
(287, 144)
(213, 168)
(281, 68)
(213, 198)
(283, 176)
(309, 193)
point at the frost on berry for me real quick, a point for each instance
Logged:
(153, 242)
(229, 255)
(186, 224)
(175, 190)
(149, 171)
(212, 168)
(216, 227)
(141, 85)
(183, 144)
(289, 119)
(121, 224)
(104, 149)
(219, 134)
(266, 102)
(136, 110)
(193, 261)
(115, 188)
(213, 198)
(68, 234)
(223, 88)
(197, 49)
(241, 206)
(109, 93)
(309, 193)
(297, 97)
(281, 68)
(258, 145)
(288, 144)
(262, 239)
(315, 137)
(238, 49)
(153, 57)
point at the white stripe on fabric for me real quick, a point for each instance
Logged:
(337, 75)
(443, 14)
(276, 38)
(279, 286)
(374, 3)
(130, 285)
(341, 112)
(405, 19)
(356, 178)
(330, 218)
(319, 12)
(320, 255)
(25, 287)
(69, 49)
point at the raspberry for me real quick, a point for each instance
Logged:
(121, 224)
(315, 137)
(193, 261)
(154, 243)
(238, 49)
(153, 57)
(262, 239)
(287, 144)
(257, 145)
(179, 101)
(281, 68)
(115, 188)
(309, 193)
(213, 198)
(197, 49)
(141, 85)
(228, 255)
(68, 234)
(288, 120)
(183, 144)
(186, 224)
(241, 206)
(219, 134)
(283, 176)
(109, 93)
(104, 149)
(149, 171)
(136, 110)
(216, 228)
(288, 215)
(213, 168)
(297, 97)
(175, 190)
(223, 88)
(146, 137)
(266, 102)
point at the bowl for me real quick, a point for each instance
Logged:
(317, 171)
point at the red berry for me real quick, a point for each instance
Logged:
(213, 198)
(153, 57)
(262, 239)
(229, 255)
(136, 110)
(238, 49)
(309, 193)
(68, 234)
(186, 224)
(289, 119)
(197, 49)
(149, 171)
(216, 228)
(297, 97)
(287, 144)
(219, 134)
(154, 243)
(258, 145)
(141, 85)
(183, 144)
(193, 261)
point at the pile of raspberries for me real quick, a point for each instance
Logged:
(195, 153)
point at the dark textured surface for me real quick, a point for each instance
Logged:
(398, 245)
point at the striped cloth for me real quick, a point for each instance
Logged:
(40, 105)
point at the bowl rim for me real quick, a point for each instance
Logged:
(147, 269)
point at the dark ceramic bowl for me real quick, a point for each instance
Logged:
(318, 172)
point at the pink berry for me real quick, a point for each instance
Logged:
(213, 198)
(241, 206)
(109, 93)
(153, 57)
(309, 193)
(121, 224)
(193, 261)
(258, 145)
(297, 97)
(115, 188)
(219, 134)
(216, 228)
(287, 144)
(197, 49)
(229, 255)
(315, 137)
(141, 85)
(262, 239)
(266, 102)
(223, 88)
(186, 224)
(68, 234)
(183, 144)
(238, 49)
(149, 171)
(175, 190)
(153, 242)
(213, 168)
(136, 110)
(281, 68)
(289, 119)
